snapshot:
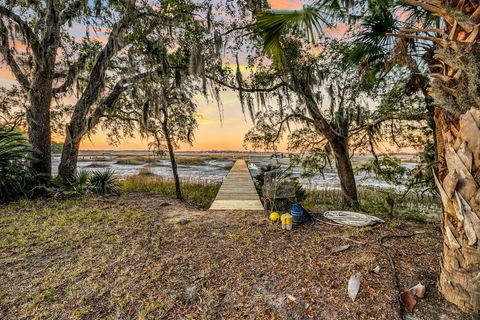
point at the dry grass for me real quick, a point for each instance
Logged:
(127, 258)
(199, 194)
(374, 201)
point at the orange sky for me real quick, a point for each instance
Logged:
(211, 134)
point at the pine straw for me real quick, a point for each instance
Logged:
(138, 257)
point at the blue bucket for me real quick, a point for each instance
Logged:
(297, 213)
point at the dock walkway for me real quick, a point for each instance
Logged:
(237, 191)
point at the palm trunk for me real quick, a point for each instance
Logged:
(38, 119)
(460, 192)
(345, 172)
(455, 92)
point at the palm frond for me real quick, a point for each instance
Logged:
(273, 24)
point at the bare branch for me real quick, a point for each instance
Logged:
(109, 101)
(287, 118)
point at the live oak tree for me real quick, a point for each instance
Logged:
(324, 111)
(36, 46)
(39, 44)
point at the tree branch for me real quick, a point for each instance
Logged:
(96, 84)
(466, 24)
(233, 87)
(70, 11)
(10, 60)
(26, 30)
(120, 87)
(282, 122)
(412, 117)
(438, 41)
(70, 75)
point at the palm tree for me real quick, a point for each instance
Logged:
(454, 88)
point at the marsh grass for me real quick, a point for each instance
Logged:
(191, 161)
(96, 164)
(377, 201)
(137, 160)
(145, 171)
(197, 193)
(95, 159)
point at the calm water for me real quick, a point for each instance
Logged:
(215, 170)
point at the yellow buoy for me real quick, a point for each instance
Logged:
(274, 216)
(287, 221)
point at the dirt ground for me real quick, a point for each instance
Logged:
(148, 257)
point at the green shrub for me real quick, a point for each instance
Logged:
(81, 180)
(381, 202)
(16, 179)
(103, 182)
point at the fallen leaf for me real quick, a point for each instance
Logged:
(340, 248)
(354, 285)
(291, 298)
(376, 269)
(418, 290)
(408, 300)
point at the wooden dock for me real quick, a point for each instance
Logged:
(237, 191)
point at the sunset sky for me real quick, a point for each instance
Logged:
(211, 134)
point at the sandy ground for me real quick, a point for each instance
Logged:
(148, 257)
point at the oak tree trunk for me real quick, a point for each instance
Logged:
(38, 121)
(68, 162)
(339, 146)
(345, 172)
(171, 153)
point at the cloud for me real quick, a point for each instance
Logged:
(286, 4)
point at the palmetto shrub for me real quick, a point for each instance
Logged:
(15, 177)
(103, 182)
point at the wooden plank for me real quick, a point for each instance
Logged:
(237, 191)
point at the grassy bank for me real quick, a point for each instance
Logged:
(199, 194)
(384, 203)
(128, 257)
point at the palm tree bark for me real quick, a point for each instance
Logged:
(458, 184)
(455, 92)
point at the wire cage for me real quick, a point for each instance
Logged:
(278, 191)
